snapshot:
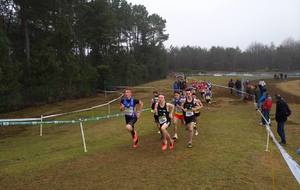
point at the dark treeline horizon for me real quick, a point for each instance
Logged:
(58, 49)
(257, 57)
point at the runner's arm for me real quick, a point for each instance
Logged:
(181, 106)
(171, 109)
(155, 108)
(122, 107)
(140, 108)
(200, 104)
(183, 109)
(197, 106)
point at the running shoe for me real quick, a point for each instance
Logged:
(190, 145)
(135, 138)
(175, 137)
(172, 144)
(164, 146)
(135, 145)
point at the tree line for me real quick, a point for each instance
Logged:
(257, 57)
(58, 49)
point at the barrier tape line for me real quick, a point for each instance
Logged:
(20, 119)
(144, 87)
(61, 114)
(82, 110)
(10, 123)
(137, 87)
(292, 164)
(232, 89)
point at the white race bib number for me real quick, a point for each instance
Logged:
(162, 119)
(128, 111)
(189, 113)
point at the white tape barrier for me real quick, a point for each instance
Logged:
(292, 164)
(82, 110)
(20, 119)
(144, 87)
(108, 91)
(137, 87)
(232, 89)
(61, 114)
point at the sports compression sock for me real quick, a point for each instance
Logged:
(132, 132)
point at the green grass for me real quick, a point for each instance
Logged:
(292, 130)
(228, 154)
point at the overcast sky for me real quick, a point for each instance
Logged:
(227, 23)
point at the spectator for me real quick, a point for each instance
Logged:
(266, 108)
(262, 88)
(261, 101)
(281, 75)
(231, 85)
(256, 93)
(282, 113)
(238, 86)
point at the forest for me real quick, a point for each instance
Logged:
(58, 49)
(257, 57)
(61, 49)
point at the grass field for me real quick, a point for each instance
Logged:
(292, 87)
(228, 153)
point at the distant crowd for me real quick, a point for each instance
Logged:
(280, 76)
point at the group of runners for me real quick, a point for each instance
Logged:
(182, 110)
(204, 88)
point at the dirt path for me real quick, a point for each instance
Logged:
(292, 87)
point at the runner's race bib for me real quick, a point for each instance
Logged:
(189, 113)
(162, 119)
(129, 111)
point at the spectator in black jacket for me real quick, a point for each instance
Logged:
(282, 113)
(231, 85)
(238, 86)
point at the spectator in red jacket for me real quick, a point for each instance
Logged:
(266, 108)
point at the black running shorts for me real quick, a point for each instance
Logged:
(131, 120)
(189, 120)
(156, 118)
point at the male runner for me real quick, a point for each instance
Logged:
(164, 111)
(178, 113)
(189, 107)
(197, 113)
(154, 100)
(128, 106)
